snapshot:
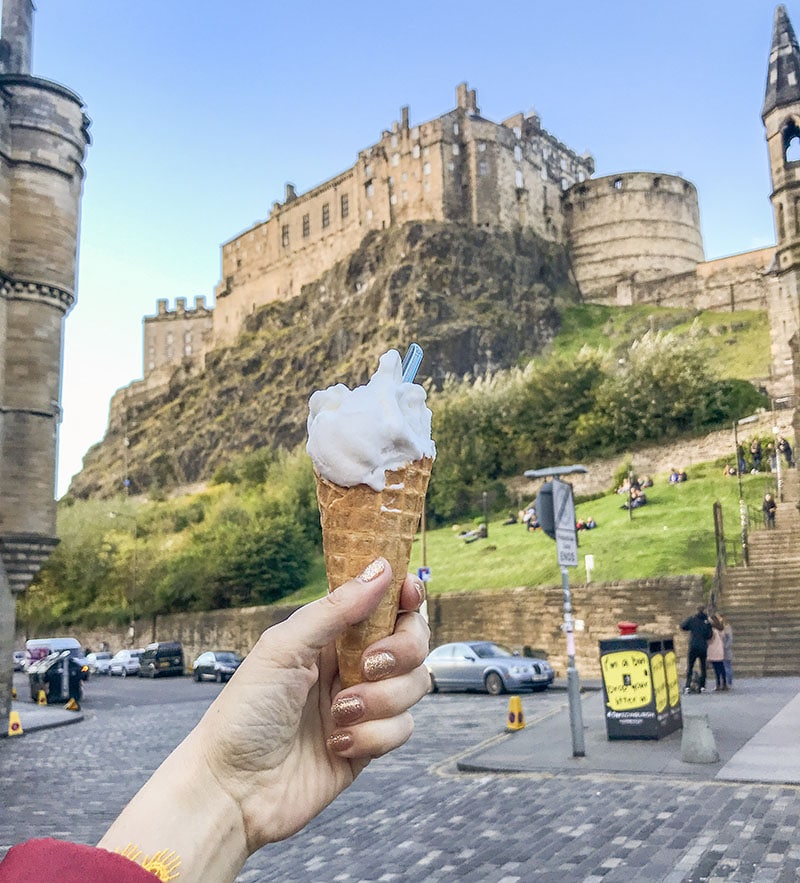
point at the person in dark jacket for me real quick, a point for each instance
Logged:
(699, 628)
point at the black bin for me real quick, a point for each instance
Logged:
(59, 675)
(640, 685)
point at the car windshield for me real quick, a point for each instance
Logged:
(228, 657)
(486, 651)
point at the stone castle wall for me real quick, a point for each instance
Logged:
(518, 618)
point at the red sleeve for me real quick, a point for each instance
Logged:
(40, 861)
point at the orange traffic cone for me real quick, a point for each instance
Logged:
(516, 720)
(14, 724)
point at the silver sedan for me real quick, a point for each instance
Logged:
(484, 665)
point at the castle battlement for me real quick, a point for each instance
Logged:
(172, 336)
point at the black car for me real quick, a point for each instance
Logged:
(161, 659)
(219, 665)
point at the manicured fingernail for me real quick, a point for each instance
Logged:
(372, 571)
(339, 741)
(347, 710)
(378, 665)
(420, 587)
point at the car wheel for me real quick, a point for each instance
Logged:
(123, 672)
(197, 676)
(219, 677)
(494, 684)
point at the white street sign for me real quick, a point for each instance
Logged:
(564, 516)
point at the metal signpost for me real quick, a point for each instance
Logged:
(555, 509)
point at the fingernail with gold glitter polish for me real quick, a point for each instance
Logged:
(339, 741)
(347, 710)
(379, 665)
(372, 571)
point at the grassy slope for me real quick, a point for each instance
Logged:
(673, 534)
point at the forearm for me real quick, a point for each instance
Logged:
(182, 812)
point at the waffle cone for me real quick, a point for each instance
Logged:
(360, 525)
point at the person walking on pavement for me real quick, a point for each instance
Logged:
(716, 652)
(699, 629)
(769, 506)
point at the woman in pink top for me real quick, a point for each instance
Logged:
(716, 651)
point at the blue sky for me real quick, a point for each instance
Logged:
(202, 110)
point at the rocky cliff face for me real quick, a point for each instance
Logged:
(474, 299)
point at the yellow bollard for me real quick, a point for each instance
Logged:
(42, 698)
(516, 720)
(14, 724)
(13, 692)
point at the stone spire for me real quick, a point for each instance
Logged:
(783, 77)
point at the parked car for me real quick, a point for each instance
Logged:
(125, 662)
(19, 660)
(99, 662)
(484, 665)
(161, 659)
(219, 665)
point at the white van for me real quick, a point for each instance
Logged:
(38, 648)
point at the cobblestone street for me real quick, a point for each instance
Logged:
(412, 816)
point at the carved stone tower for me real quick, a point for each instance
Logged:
(781, 116)
(43, 140)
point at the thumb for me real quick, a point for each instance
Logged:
(317, 624)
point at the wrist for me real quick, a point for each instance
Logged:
(182, 811)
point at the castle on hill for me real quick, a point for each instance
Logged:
(632, 237)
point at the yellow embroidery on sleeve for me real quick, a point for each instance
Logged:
(164, 863)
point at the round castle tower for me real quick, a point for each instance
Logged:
(637, 224)
(43, 139)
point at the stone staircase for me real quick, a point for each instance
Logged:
(762, 601)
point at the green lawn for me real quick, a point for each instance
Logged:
(673, 534)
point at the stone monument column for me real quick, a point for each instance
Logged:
(43, 140)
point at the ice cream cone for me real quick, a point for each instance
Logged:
(360, 525)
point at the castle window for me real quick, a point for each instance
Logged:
(306, 226)
(369, 214)
(326, 214)
(617, 184)
(285, 235)
(415, 151)
(483, 168)
(367, 170)
(781, 223)
(393, 199)
(455, 128)
(456, 150)
(517, 153)
(391, 180)
(481, 147)
(426, 169)
(369, 189)
(656, 182)
(395, 159)
(344, 206)
(518, 179)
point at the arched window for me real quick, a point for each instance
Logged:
(791, 142)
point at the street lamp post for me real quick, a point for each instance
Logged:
(135, 535)
(562, 530)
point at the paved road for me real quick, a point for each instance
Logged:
(412, 816)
